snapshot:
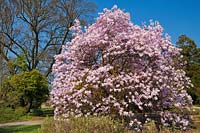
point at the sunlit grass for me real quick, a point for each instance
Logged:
(20, 129)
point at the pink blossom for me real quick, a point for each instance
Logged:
(116, 65)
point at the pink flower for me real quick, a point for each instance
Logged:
(116, 65)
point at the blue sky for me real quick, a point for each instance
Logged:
(176, 16)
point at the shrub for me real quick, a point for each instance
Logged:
(82, 125)
(28, 89)
(42, 112)
(20, 111)
(37, 112)
(9, 114)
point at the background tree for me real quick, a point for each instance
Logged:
(120, 69)
(191, 55)
(32, 32)
(37, 29)
(26, 89)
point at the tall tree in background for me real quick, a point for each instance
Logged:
(34, 31)
(27, 89)
(191, 54)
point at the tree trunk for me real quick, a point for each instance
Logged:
(29, 106)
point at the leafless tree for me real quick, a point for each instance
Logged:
(36, 30)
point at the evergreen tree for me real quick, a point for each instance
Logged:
(191, 56)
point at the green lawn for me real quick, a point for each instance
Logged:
(20, 129)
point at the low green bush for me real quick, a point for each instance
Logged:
(43, 112)
(20, 111)
(99, 125)
(9, 114)
(37, 112)
(82, 125)
(6, 114)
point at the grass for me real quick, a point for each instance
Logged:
(21, 129)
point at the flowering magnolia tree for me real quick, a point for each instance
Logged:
(116, 68)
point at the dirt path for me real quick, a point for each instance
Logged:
(31, 122)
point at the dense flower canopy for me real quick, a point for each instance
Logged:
(116, 67)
